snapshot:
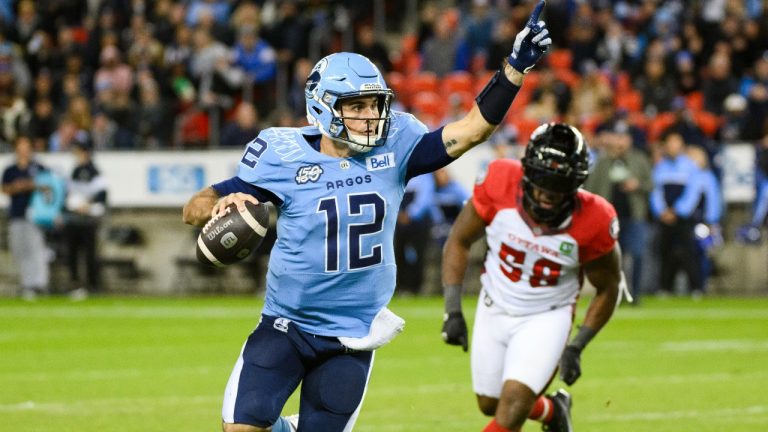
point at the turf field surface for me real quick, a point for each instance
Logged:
(122, 364)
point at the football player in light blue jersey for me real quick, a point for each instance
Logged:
(337, 186)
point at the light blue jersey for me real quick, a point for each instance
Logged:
(333, 265)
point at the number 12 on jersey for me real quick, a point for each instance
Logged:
(356, 226)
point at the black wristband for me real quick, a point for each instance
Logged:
(496, 98)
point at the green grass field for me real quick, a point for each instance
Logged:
(146, 364)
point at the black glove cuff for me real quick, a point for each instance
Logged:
(497, 96)
(582, 338)
(449, 315)
(452, 295)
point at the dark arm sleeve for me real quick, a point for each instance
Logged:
(429, 155)
(236, 184)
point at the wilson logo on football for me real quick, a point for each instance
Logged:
(307, 174)
(215, 230)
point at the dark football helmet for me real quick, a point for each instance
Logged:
(556, 161)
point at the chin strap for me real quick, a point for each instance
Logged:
(359, 143)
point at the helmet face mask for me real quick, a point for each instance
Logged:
(554, 167)
(334, 82)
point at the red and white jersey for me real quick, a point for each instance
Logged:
(531, 268)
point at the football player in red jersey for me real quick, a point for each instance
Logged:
(543, 235)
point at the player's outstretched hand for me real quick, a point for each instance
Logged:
(531, 43)
(570, 364)
(238, 198)
(455, 330)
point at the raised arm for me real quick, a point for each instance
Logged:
(467, 229)
(493, 102)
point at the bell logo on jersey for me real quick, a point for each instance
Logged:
(307, 174)
(380, 162)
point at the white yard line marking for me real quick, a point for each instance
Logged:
(741, 345)
(103, 374)
(755, 410)
(160, 312)
(674, 314)
(655, 380)
(122, 405)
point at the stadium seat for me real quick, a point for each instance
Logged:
(523, 125)
(707, 121)
(695, 101)
(432, 121)
(412, 63)
(631, 101)
(429, 102)
(622, 82)
(422, 82)
(589, 124)
(560, 59)
(532, 79)
(467, 99)
(522, 99)
(457, 81)
(481, 80)
(658, 124)
(569, 77)
(409, 43)
(409, 59)
(396, 81)
(638, 119)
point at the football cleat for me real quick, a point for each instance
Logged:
(561, 419)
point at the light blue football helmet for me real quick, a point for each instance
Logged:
(341, 76)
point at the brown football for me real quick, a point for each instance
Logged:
(233, 236)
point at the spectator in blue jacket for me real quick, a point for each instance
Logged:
(259, 62)
(673, 201)
(412, 235)
(751, 232)
(450, 196)
(707, 214)
(761, 202)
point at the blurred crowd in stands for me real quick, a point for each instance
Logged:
(639, 76)
(171, 73)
